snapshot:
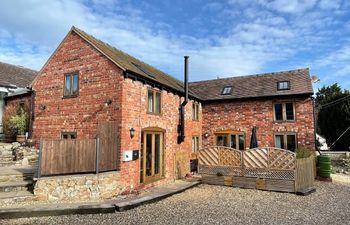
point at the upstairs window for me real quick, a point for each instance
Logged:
(283, 85)
(195, 111)
(71, 83)
(153, 102)
(195, 143)
(69, 135)
(227, 90)
(284, 111)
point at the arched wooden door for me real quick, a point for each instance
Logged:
(152, 155)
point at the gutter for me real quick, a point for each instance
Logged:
(138, 77)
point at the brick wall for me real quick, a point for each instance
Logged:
(99, 79)
(242, 115)
(135, 116)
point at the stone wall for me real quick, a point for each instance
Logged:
(243, 115)
(70, 188)
(21, 155)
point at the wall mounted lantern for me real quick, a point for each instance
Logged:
(42, 107)
(132, 132)
(108, 102)
(206, 135)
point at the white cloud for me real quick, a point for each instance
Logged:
(329, 4)
(292, 6)
(261, 36)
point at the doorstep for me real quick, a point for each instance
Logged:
(110, 206)
(156, 194)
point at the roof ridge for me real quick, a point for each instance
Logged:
(19, 66)
(251, 75)
(125, 53)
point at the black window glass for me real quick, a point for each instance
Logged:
(278, 112)
(289, 111)
(291, 145)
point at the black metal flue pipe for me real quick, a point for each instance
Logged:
(186, 80)
(181, 136)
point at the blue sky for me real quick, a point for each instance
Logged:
(223, 38)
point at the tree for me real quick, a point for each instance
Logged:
(333, 115)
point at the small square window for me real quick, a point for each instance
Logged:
(69, 135)
(227, 90)
(283, 85)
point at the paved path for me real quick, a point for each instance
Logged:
(110, 206)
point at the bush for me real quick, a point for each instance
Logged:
(303, 153)
(19, 123)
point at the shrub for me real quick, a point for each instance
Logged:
(303, 153)
(19, 122)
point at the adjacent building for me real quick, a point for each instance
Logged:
(14, 92)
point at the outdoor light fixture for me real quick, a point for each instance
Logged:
(206, 135)
(132, 132)
(42, 107)
(108, 102)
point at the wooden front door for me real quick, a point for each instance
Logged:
(152, 156)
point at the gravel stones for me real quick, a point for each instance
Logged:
(209, 204)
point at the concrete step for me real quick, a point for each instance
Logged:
(6, 158)
(26, 185)
(6, 152)
(13, 174)
(7, 164)
(15, 197)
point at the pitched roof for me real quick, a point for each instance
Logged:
(130, 64)
(11, 75)
(259, 85)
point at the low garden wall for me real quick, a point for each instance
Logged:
(84, 187)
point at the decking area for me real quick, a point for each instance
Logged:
(267, 168)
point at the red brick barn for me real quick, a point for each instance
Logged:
(86, 82)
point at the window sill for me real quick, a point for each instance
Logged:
(284, 121)
(155, 114)
(70, 96)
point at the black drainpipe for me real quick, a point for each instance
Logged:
(181, 129)
(315, 123)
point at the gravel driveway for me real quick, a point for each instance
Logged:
(207, 204)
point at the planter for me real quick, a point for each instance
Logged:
(21, 138)
(9, 139)
(30, 142)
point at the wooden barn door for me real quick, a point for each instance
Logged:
(108, 146)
